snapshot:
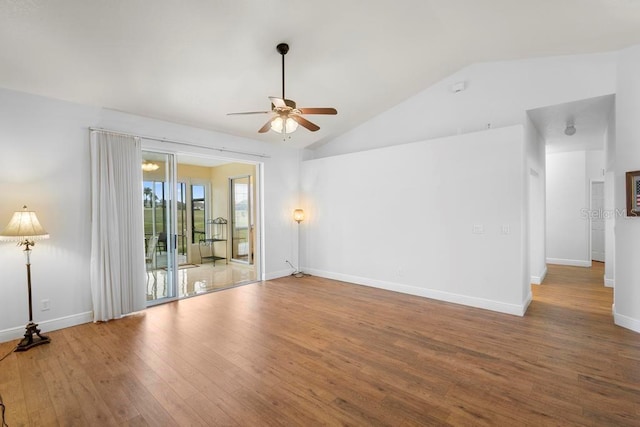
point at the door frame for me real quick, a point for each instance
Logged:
(252, 217)
(179, 149)
(191, 245)
(591, 213)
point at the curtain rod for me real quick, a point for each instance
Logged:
(173, 141)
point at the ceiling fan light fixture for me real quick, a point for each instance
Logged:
(284, 125)
(148, 166)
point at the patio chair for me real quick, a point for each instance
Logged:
(162, 242)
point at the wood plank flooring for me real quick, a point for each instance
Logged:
(310, 351)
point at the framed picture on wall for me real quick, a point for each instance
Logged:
(633, 193)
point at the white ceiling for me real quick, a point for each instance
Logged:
(191, 62)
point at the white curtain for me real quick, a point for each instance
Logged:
(118, 274)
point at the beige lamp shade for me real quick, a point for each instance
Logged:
(298, 215)
(24, 225)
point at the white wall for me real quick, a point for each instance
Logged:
(536, 176)
(402, 218)
(595, 169)
(609, 230)
(610, 142)
(595, 165)
(627, 230)
(609, 201)
(567, 200)
(45, 164)
(497, 92)
(569, 176)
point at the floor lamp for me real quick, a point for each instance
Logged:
(25, 228)
(298, 216)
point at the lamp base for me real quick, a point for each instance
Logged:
(30, 340)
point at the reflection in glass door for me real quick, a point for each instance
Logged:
(241, 219)
(159, 190)
(198, 213)
(181, 220)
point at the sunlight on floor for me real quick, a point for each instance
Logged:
(194, 279)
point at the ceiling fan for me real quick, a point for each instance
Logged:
(286, 115)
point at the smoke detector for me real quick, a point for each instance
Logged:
(458, 87)
(570, 129)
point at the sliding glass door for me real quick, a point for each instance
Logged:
(187, 230)
(161, 198)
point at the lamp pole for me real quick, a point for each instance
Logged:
(298, 216)
(27, 255)
(32, 328)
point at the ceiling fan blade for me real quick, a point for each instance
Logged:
(318, 110)
(248, 112)
(266, 127)
(278, 102)
(304, 122)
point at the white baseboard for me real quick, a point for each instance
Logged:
(278, 274)
(572, 262)
(625, 321)
(537, 280)
(609, 283)
(48, 325)
(501, 307)
(526, 303)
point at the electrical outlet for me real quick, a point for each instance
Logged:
(45, 305)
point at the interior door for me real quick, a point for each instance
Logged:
(159, 197)
(597, 221)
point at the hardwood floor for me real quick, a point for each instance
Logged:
(313, 351)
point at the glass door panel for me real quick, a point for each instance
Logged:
(158, 190)
(198, 213)
(241, 219)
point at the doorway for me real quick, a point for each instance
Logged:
(190, 204)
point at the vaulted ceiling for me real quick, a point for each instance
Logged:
(191, 62)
